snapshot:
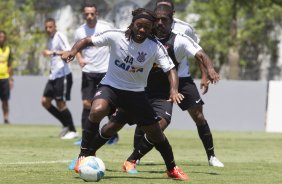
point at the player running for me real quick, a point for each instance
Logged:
(133, 53)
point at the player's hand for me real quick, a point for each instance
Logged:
(82, 63)
(46, 53)
(213, 76)
(68, 56)
(11, 83)
(204, 86)
(175, 97)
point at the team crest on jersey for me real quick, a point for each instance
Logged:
(141, 57)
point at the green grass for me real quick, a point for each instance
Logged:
(34, 154)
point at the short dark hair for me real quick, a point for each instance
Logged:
(50, 20)
(88, 3)
(166, 1)
(165, 8)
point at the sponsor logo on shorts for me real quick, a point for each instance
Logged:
(98, 93)
(197, 101)
(167, 113)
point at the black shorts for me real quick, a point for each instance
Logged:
(4, 89)
(89, 85)
(59, 89)
(189, 90)
(132, 107)
(162, 107)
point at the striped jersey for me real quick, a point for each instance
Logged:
(59, 68)
(179, 26)
(96, 58)
(131, 62)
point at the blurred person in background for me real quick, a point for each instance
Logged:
(6, 75)
(94, 61)
(59, 85)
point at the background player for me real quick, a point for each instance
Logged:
(6, 75)
(59, 85)
(93, 60)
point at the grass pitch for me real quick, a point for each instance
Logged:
(34, 154)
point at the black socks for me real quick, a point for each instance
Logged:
(207, 140)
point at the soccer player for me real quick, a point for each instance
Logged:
(59, 85)
(196, 110)
(132, 55)
(93, 60)
(6, 75)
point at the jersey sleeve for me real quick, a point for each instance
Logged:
(191, 33)
(64, 43)
(76, 35)
(103, 39)
(185, 46)
(163, 59)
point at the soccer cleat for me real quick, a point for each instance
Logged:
(177, 173)
(77, 163)
(72, 164)
(113, 140)
(129, 167)
(63, 132)
(6, 122)
(70, 135)
(213, 161)
(138, 161)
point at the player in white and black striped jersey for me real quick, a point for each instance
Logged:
(93, 60)
(194, 107)
(59, 85)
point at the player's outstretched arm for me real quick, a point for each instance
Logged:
(174, 97)
(204, 85)
(203, 58)
(78, 46)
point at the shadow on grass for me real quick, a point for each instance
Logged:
(128, 177)
(141, 171)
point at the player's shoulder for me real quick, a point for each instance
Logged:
(106, 24)
(155, 43)
(182, 23)
(82, 27)
(112, 32)
(60, 35)
(179, 24)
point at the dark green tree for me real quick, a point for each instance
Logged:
(236, 33)
(18, 19)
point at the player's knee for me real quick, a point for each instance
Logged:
(97, 113)
(155, 136)
(86, 104)
(45, 103)
(163, 123)
(110, 129)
